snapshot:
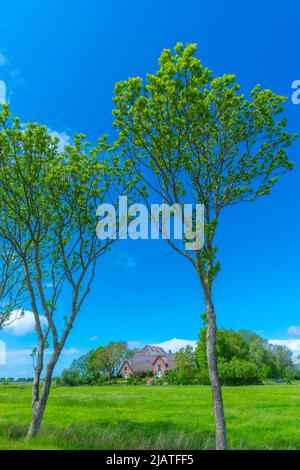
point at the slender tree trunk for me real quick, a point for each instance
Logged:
(220, 423)
(37, 416)
(39, 403)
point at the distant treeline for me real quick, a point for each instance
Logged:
(244, 358)
(18, 380)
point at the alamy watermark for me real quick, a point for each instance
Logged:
(138, 222)
(296, 94)
(2, 353)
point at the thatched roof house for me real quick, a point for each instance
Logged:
(149, 358)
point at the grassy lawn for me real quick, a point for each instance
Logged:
(141, 417)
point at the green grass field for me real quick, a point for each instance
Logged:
(141, 417)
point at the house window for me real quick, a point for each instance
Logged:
(158, 370)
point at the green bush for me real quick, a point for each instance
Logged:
(56, 381)
(139, 378)
(102, 380)
(72, 378)
(170, 377)
(203, 377)
(238, 372)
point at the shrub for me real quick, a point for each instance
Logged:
(238, 372)
(139, 378)
(203, 377)
(72, 378)
(171, 377)
(102, 380)
(56, 381)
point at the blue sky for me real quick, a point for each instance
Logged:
(60, 61)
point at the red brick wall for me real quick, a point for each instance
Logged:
(126, 370)
(163, 367)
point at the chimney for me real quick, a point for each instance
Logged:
(170, 352)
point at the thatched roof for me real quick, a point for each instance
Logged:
(169, 360)
(143, 360)
(153, 350)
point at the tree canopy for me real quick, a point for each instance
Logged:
(244, 357)
(195, 138)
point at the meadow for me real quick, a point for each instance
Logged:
(152, 417)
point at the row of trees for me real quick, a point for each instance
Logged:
(243, 358)
(8, 380)
(183, 136)
(96, 367)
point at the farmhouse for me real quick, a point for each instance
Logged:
(150, 358)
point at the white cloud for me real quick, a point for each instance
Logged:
(294, 331)
(63, 138)
(21, 357)
(171, 345)
(93, 338)
(2, 352)
(292, 344)
(19, 362)
(18, 357)
(22, 324)
(3, 60)
(2, 92)
(175, 344)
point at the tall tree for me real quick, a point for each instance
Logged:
(48, 202)
(194, 138)
(85, 366)
(185, 366)
(109, 358)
